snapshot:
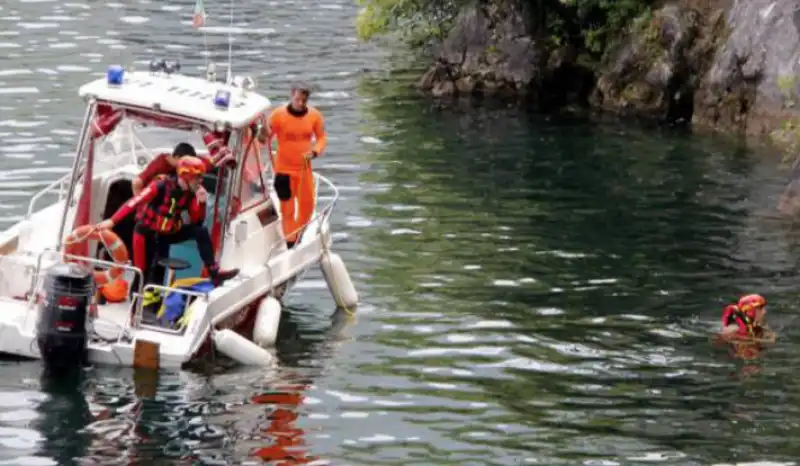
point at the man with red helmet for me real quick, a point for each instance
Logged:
(745, 318)
(159, 210)
(165, 164)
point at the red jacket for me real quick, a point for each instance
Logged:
(733, 316)
(161, 205)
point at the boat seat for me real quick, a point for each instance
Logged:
(173, 264)
(170, 265)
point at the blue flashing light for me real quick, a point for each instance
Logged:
(222, 99)
(172, 66)
(114, 75)
(156, 65)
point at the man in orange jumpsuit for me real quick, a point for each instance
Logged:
(300, 132)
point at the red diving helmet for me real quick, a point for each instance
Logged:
(190, 168)
(750, 304)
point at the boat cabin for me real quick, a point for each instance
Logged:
(132, 118)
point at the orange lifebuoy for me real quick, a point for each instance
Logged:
(113, 244)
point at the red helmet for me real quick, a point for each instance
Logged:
(750, 303)
(190, 168)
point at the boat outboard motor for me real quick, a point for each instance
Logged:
(61, 329)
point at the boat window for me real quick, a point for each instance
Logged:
(254, 177)
(146, 142)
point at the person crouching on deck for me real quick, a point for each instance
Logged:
(159, 210)
(300, 131)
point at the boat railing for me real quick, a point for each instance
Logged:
(321, 215)
(324, 214)
(164, 291)
(94, 263)
(57, 187)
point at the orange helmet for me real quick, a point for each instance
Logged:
(116, 291)
(750, 303)
(190, 168)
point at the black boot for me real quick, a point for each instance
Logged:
(218, 276)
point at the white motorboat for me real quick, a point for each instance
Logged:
(47, 295)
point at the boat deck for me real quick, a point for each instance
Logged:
(112, 341)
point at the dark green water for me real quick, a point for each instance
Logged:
(561, 281)
(535, 291)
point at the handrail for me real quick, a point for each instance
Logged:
(321, 214)
(325, 212)
(137, 316)
(91, 260)
(97, 262)
(59, 183)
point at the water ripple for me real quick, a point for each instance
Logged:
(536, 291)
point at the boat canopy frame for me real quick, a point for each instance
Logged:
(103, 117)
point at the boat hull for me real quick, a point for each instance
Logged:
(242, 323)
(27, 251)
(18, 337)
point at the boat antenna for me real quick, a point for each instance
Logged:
(205, 47)
(230, 48)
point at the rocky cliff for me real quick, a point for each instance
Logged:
(729, 64)
(493, 49)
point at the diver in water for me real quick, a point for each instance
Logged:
(744, 330)
(745, 319)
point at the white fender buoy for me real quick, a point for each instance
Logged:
(268, 316)
(339, 283)
(240, 349)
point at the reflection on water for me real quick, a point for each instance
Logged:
(63, 416)
(143, 417)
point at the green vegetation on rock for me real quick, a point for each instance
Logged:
(595, 24)
(788, 135)
(414, 21)
(591, 25)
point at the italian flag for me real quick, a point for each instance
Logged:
(199, 17)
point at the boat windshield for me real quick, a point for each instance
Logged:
(120, 137)
(134, 142)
